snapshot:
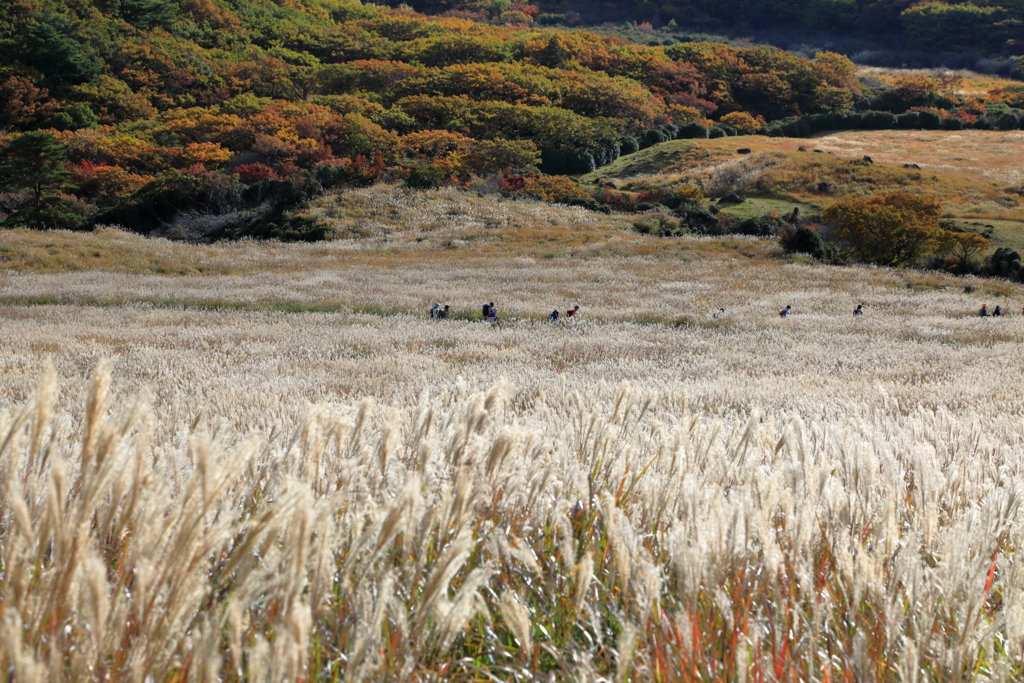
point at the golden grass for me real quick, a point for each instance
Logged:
(24, 250)
(724, 499)
(288, 472)
(974, 84)
(979, 155)
(383, 226)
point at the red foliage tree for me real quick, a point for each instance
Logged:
(254, 173)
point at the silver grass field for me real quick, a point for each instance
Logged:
(196, 485)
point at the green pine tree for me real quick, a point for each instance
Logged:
(35, 162)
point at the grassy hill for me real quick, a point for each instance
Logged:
(976, 174)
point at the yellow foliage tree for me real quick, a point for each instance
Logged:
(209, 154)
(837, 69)
(683, 114)
(891, 230)
(435, 145)
(963, 246)
(552, 188)
(744, 122)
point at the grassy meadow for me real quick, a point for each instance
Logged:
(263, 462)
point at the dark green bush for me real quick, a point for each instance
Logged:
(803, 240)
(644, 207)
(758, 226)
(908, 121)
(73, 117)
(691, 131)
(653, 137)
(698, 219)
(162, 200)
(426, 177)
(567, 161)
(217, 207)
(929, 120)
(795, 128)
(550, 19)
(1007, 121)
(878, 120)
(661, 225)
(588, 203)
(606, 153)
(282, 228)
(1005, 262)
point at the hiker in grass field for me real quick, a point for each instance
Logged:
(859, 310)
(784, 313)
(444, 313)
(435, 311)
(491, 315)
(998, 313)
(553, 318)
(983, 311)
(486, 310)
(571, 313)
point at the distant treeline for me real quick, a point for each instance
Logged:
(993, 26)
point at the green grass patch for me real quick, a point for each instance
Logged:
(759, 206)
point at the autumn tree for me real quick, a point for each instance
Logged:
(489, 156)
(891, 230)
(22, 103)
(743, 122)
(963, 246)
(104, 185)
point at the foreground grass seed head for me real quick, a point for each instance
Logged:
(603, 534)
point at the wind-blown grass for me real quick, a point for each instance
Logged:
(293, 474)
(608, 535)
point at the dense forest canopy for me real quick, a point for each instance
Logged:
(242, 108)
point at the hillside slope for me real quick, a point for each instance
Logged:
(218, 120)
(975, 174)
